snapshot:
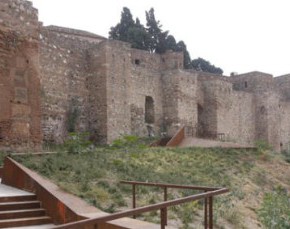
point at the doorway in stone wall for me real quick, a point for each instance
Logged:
(200, 124)
(149, 115)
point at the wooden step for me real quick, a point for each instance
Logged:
(9, 206)
(25, 221)
(4, 199)
(22, 213)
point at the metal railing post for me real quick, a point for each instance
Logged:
(165, 210)
(163, 219)
(205, 213)
(134, 198)
(210, 212)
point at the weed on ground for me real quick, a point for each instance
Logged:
(94, 173)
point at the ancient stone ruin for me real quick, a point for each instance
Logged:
(20, 107)
(55, 80)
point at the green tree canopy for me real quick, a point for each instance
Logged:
(121, 30)
(153, 39)
(154, 29)
(171, 43)
(181, 47)
(138, 36)
(203, 65)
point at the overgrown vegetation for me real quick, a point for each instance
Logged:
(2, 157)
(78, 143)
(275, 210)
(286, 155)
(93, 173)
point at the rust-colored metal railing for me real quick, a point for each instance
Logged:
(208, 202)
(207, 194)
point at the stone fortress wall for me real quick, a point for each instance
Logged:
(55, 80)
(64, 76)
(20, 111)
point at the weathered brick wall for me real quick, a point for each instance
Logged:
(266, 101)
(242, 118)
(21, 17)
(274, 120)
(104, 87)
(179, 100)
(172, 60)
(222, 108)
(282, 86)
(170, 88)
(253, 82)
(64, 56)
(98, 93)
(107, 83)
(19, 76)
(209, 105)
(224, 101)
(118, 63)
(267, 119)
(207, 115)
(284, 125)
(235, 109)
(187, 99)
(145, 80)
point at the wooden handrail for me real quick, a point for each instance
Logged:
(136, 211)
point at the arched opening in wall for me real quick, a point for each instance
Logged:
(149, 110)
(200, 125)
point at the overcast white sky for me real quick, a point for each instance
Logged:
(236, 35)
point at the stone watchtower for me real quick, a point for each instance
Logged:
(19, 75)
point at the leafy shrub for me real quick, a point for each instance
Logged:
(78, 143)
(275, 209)
(73, 115)
(286, 155)
(262, 145)
(127, 141)
(186, 212)
(225, 208)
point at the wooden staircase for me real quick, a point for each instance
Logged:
(22, 211)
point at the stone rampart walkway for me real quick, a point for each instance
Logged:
(207, 143)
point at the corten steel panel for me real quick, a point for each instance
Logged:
(18, 176)
(15, 176)
(177, 138)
